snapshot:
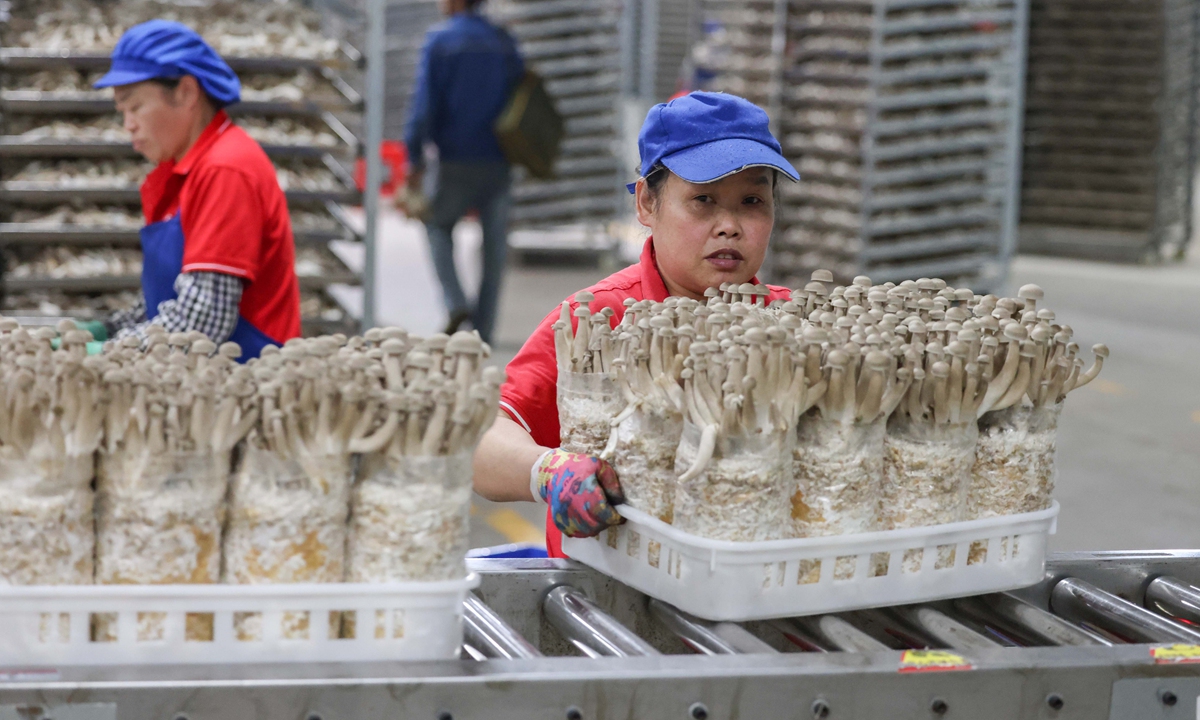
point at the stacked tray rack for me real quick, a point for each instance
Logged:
(903, 118)
(1110, 137)
(574, 46)
(295, 106)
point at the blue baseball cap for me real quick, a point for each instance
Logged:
(705, 136)
(166, 49)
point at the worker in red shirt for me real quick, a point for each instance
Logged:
(709, 170)
(217, 250)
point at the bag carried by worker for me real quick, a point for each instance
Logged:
(530, 129)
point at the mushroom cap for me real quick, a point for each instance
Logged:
(964, 295)
(815, 287)
(494, 376)
(418, 359)
(464, 342)
(583, 297)
(372, 335)
(822, 275)
(1100, 350)
(207, 347)
(436, 342)
(231, 350)
(957, 314)
(47, 333)
(877, 360)
(940, 369)
(756, 336)
(77, 337)
(1016, 331)
(582, 311)
(1031, 291)
(393, 333)
(837, 358)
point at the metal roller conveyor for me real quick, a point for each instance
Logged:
(827, 633)
(707, 638)
(592, 631)
(1175, 599)
(1082, 602)
(944, 629)
(487, 633)
(1058, 671)
(1038, 625)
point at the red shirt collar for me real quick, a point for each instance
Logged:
(160, 189)
(653, 286)
(219, 124)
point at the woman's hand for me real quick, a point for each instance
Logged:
(581, 491)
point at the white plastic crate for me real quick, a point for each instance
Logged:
(55, 625)
(723, 580)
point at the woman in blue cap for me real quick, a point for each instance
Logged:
(218, 254)
(706, 192)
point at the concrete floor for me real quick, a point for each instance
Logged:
(1129, 444)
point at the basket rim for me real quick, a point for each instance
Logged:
(215, 591)
(978, 527)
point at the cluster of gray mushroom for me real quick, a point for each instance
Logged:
(412, 409)
(52, 413)
(328, 459)
(176, 409)
(840, 410)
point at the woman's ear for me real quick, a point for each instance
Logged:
(645, 202)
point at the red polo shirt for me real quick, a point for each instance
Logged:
(529, 396)
(235, 221)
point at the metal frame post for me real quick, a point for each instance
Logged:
(1015, 150)
(648, 51)
(373, 121)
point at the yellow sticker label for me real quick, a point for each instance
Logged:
(932, 661)
(1177, 653)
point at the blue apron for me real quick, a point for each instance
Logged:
(162, 261)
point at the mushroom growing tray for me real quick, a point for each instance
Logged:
(735, 581)
(240, 624)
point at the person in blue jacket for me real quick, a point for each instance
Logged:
(469, 68)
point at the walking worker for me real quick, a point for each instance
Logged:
(710, 168)
(217, 250)
(468, 70)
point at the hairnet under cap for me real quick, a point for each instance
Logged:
(167, 49)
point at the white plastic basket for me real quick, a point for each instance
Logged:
(723, 580)
(249, 623)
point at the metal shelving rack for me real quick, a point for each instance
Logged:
(325, 219)
(1110, 146)
(575, 46)
(903, 117)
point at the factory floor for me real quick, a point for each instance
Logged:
(1129, 444)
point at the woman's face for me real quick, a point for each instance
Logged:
(709, 234)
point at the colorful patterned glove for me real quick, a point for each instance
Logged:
(581, 491)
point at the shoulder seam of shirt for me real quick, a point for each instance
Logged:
(512, 411)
